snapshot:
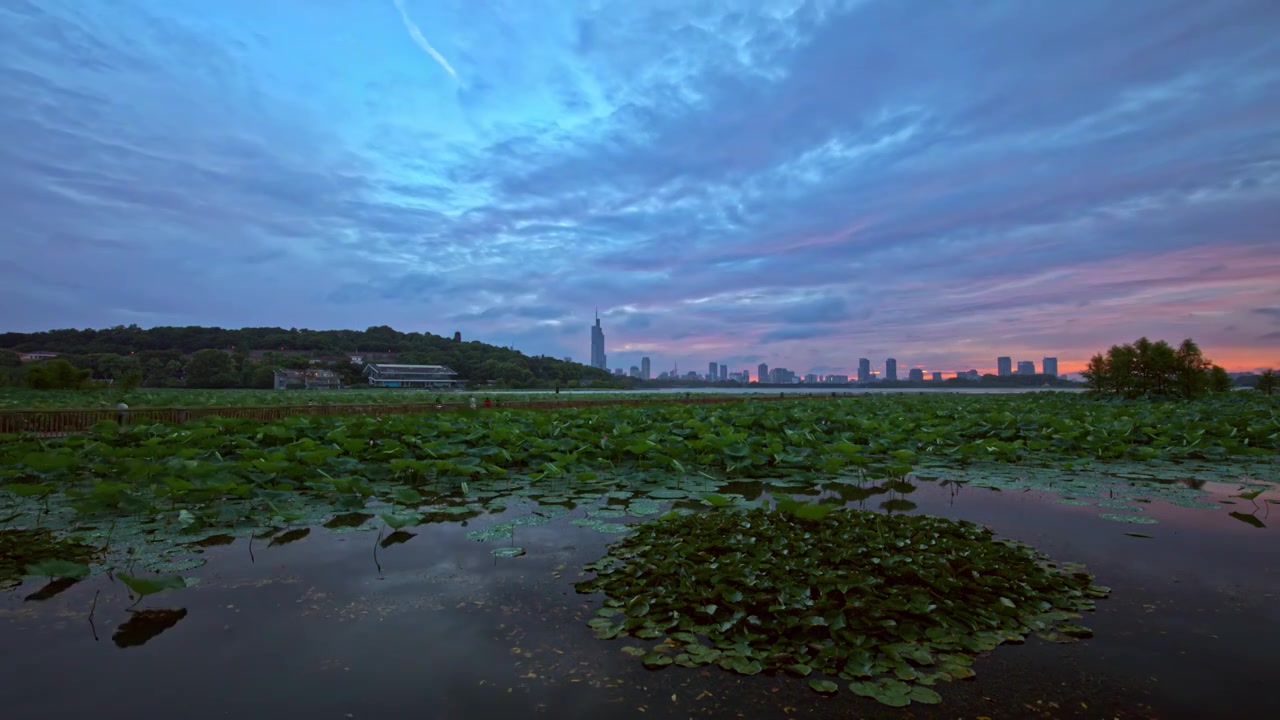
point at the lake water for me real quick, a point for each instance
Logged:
(322, 627)
(798, 390)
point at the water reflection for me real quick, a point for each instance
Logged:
(144, 625)
(335, 621)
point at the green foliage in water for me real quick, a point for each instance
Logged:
(890, 604)
(39, 552)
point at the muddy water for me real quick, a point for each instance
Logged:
(438, 627)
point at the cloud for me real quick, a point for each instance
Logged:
(416, 33)
(723, 182)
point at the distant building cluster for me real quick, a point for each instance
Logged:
(719, 372)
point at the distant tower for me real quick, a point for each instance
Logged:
(598, 358)
(1050, 366)
(713, 371)
(724, 372)
(864, 370)
(644, 368)
(762, 373)
(891, 369)
(457, 336)
(1004, 366)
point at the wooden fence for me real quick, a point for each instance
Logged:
(63, 421)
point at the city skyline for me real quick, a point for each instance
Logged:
(739, 187)
(718, 371)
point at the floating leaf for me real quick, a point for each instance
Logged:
(823, 686)
(58, 569)
(924, 695)
(1247, 519)
(150, 586)
(508, 552)
(1134, 519)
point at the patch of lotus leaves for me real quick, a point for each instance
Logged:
(641, 508)
(38, 548)
(501, 531)
(601, 526)
(1133, 519)
(888, 603)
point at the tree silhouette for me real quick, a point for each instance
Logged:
(1152, 369)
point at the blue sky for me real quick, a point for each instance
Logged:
(800, 183)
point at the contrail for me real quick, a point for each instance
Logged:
(418, 38)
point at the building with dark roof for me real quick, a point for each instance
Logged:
(410, 376)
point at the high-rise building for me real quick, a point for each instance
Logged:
(762, 373)
(782, 376)
(635, 372)
(915, 375)
(811, 378)
(713, 371)
(1050, 366)
(864, 370)
(1004, 366)
(645, 369)
(891, 369)
(937, 377)
(724, 372)
(598, 358)
(1026, 367)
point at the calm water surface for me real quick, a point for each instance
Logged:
(437, 627)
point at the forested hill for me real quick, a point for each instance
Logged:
(474, 361)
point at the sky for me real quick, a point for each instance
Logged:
(780, 181)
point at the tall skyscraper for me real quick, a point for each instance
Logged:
(891, 369)
(762, 373)
(864, 370)
(915, 375)
(1050, 366)
(598, 358)
(1004, 366)
(1026, 367)
(724, 372)
(644, 368)
(713, 371)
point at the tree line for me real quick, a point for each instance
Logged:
(1157, 369)
(200, 357)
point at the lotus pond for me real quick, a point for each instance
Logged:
(907, 556)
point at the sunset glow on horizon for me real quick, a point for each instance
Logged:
(795, 183)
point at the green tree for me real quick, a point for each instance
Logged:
(211, 369)
(1146, 368)
(57, 375)
(130, 380)
(1219, 380)
(1267, 381)
(1097, 375)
